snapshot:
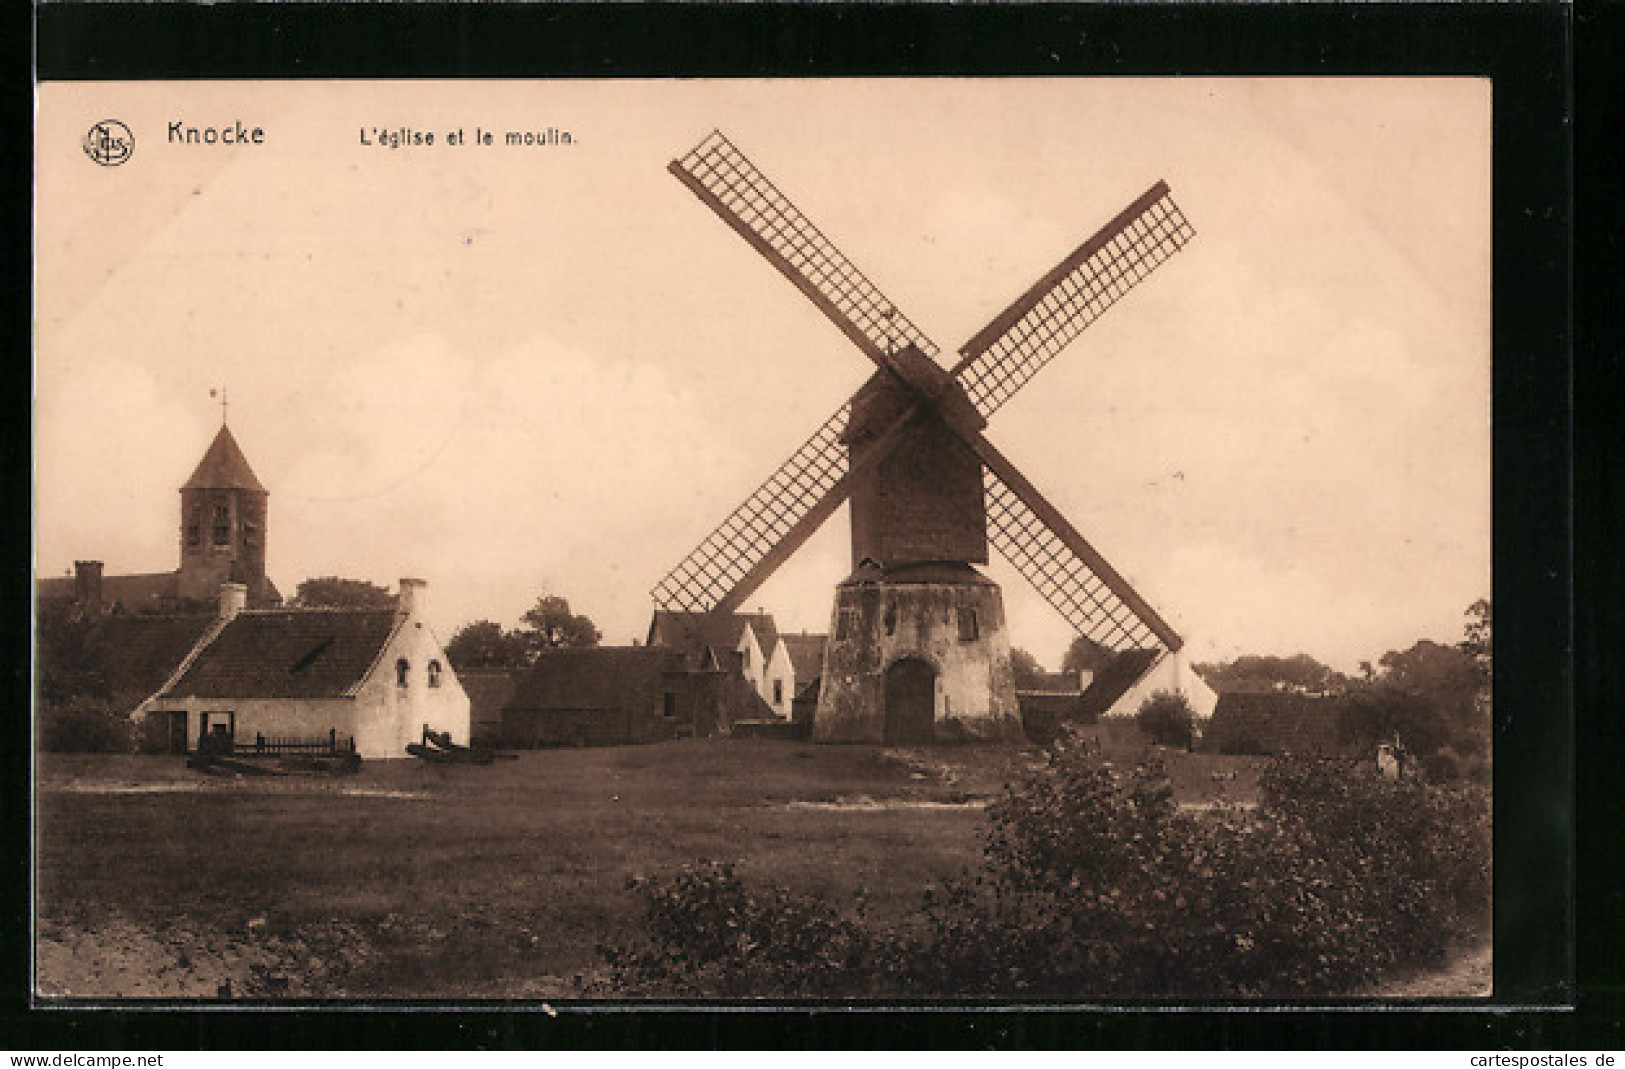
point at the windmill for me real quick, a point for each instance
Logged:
(918, 650)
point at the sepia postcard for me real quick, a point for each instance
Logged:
(741, 541)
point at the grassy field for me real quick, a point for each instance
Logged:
(415, 880)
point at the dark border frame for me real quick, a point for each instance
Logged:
(1527, 50)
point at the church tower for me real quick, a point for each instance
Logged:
(223, 515)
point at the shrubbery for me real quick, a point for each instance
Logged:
(1095, 883)
(80, 728)
(1167, 719)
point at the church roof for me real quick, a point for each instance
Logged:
(132, 593)
(223, 467)
(288, 653)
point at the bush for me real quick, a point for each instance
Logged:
(1094, 882)
(706, 933)
(1167, 719)
(84, 729)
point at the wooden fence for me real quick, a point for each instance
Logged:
(310, 745)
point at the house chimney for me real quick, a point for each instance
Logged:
(411, 596)
(87, 584)
(233, 599)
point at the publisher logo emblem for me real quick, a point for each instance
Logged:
(109, 143)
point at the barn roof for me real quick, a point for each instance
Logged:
(594, 677)
(1115, 679)
(1276, 722)
(488, 690)
(288, 653)
(806, 655)
(137, 653)
(223, 467)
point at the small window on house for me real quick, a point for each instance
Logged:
(434, 673)
(778, 692)
(891, 619)
(251, 534)
(222, 525)
(845, 621)
(194, 527)
(403, 672)
(967, 625)
(744, 658)
(670, 706)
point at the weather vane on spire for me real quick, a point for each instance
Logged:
(221, 393)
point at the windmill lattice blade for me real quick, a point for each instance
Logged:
(730, 185)
(701, 581)
(1087, 599)
(1027, 335)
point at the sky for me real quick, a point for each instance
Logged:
(511, 370)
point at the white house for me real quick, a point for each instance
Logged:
(749, 641)
(376, 676)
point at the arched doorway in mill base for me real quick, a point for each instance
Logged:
(911, 703)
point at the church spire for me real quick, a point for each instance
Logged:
(223, 467)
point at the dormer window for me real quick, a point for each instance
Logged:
(434, 673)
(403, 672)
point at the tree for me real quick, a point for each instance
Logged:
(1167, 719)
(1028, 672)
(484, 644)
(1477, 641)
(332, 592)
(1085, 655)
(551, 625)
(1256, 674)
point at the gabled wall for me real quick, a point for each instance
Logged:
(1171, 672)
(389, 716)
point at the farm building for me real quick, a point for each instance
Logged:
(745, 644)
(488, 691)
(105, 666)
(614, 695)
(224, 511)
(807, 662)
(373, 677)
(1274, 722)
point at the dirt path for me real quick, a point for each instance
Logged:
(1468, 975)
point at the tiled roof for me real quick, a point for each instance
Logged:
(137, 653)
(1114, 680)
(594, 677)
(1275, 722)
(694, 632)
(807, 655)
(223, 467)
(288, 653)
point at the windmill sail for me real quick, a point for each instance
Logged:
(730, 185)
(1011, 349)
(732, 551)
(1062, 566)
